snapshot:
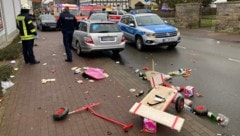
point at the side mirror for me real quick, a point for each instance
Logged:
(131, 25)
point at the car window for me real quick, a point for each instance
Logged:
(127, 20)
(82, 26)
(104, 28)
(149, 20)
(48, 17)
(102, 17)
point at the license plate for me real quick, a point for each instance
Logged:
(108, 38)
(168, 39)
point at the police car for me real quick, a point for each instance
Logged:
(148, 29)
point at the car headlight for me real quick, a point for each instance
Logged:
(152, 35)
(178, 32)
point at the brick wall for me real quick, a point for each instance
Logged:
(228, 17)
(187, 15)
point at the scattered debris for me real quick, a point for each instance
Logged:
(12, 76)
(199, 95)
(91, 81)
(44, 64)
(189, 91)
(16, 69)
(140, 93)
(44, 81)
(6, 84)
(80, 81)
(117, 62)
(149, 126)
(132, 90)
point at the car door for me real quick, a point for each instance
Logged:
(127, 25)
(79, 34)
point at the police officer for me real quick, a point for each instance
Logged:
(67, 23)
(27, 33)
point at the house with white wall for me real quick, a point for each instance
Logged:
(9, 9)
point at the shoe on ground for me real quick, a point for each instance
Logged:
(36, 62)
(68, 60)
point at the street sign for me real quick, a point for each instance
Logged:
(146, 0)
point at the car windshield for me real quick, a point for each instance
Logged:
(48, 17)
(102, 17)
(149, 20)
(104, 28)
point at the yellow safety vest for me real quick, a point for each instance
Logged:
(25, 34)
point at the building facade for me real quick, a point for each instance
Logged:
(9, 9)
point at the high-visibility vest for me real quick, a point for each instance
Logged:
(25, 28)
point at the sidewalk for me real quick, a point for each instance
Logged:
(208, 33)
(29, 104)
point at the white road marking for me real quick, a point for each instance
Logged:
(181, 47)
(234, 60)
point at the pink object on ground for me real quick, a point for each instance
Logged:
(95, 73)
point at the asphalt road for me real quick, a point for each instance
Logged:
(215, 72)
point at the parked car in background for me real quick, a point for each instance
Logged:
(148, 29)
(99, 16)
(115, 15)
(92, 36)
(46, 22)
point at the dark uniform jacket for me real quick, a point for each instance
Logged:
(67, 22)
(26, 28)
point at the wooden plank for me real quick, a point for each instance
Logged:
(150, 74)
(156, 80)
(165, 92)
(166, 119)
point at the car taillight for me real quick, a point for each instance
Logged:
(123, 38)
(88, 40)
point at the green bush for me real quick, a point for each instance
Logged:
(12, 51)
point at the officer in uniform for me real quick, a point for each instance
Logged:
(67, 23)
(27, 33)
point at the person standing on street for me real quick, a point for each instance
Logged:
(27, 33)
(67, 23)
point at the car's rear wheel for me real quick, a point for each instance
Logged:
(78, 49)
(139, 43)
(116, 52)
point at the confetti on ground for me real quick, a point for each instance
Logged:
(106, 75)
(74, 68)
(91, 81)
(132, 90)
(80, 81)
(44, 81)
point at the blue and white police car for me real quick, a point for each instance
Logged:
(148, 29)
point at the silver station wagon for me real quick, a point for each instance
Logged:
(92, 36)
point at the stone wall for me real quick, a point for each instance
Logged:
(228, 17)
(187, 15)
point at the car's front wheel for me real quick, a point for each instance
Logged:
(139, 43)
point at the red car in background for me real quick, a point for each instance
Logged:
(115, 15)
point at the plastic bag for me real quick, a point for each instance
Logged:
(149, 126)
